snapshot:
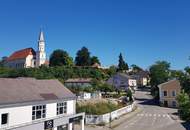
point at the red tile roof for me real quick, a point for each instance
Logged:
(22, 54)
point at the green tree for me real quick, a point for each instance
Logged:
(122, 64)
(83, 57)
(94, 59)
(184, 105)
(60, 58)
(136, 68)
(105, 88)
(112, 70)
(159, 73)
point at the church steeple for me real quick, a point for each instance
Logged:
(41, 54)
(41, 37)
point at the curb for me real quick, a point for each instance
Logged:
(128, 116)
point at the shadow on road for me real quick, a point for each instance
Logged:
(186, 125)
(144, 101)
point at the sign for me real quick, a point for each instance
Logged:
(75, 119)
(48, 124)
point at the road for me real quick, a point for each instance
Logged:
(152, 117)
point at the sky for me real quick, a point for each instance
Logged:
(144, 31)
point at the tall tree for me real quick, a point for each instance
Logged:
(83, 57)
(60, 58)
(159, 73)
(94, 59)
(122, 64)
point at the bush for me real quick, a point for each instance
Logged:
(97, 108)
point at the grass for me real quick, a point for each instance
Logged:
(98, 108)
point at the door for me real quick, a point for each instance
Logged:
(166, 103)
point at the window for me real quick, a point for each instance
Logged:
(173, 93)
(38, 112)
(4, 119)
(61, 108)
(174, 103)
(165, 93)
(63, 127)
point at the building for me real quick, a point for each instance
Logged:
(28, 57)
(122, 81)
(31, 104)
(78, 82)
(142, 78)
(168, 92)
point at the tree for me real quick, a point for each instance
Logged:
(184, 105)
(122, 65)
(105, 88)
(136, 68)
(159, 73)
(60, 58)
(83, 57)
(94, 59)
(112, 70)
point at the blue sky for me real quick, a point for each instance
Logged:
(143, 30)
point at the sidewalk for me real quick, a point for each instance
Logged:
(116, 122)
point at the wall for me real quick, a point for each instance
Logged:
(23, 115)
(101, 119)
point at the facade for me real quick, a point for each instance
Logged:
(78, 82)
(142, 78)
(31, 104)
(28, 58)
(168, 92)
(122, 81)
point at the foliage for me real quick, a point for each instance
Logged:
(136, 68)
(58, 72)
(83, 57)
(112, 70)
(129, 95)
(97, 108)
(122, 64)
(159, 73)
(184, 106)
(60, 58)
(94, 59)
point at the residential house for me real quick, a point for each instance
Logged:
(78, 82)
(31, 104)
(142, 78)
(168, 92)
(28, 58)
(122, 81)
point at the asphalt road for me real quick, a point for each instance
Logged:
(152, 117)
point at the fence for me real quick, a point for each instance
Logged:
(105, 118)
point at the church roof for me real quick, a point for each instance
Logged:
(21, 54)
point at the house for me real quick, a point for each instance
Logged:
(168, 92)
(142, 78)
(87, 96)
(31, 104)
(78, 82)
(28, 57)
(122, 81)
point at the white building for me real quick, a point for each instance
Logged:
(31, 104)
(122, 81)
(28, 58)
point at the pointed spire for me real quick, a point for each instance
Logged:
(41, 37)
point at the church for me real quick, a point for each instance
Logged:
(28, 57)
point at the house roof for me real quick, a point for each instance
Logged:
(23, 90)
(21, 54)
(173, 82)
(78, 80)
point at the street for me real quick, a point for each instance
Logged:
(152, 116)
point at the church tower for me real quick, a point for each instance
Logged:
(40, 53)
